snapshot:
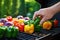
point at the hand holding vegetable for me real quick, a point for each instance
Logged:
(37, 26)
(47, 13)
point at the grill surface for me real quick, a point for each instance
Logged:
(34, 36)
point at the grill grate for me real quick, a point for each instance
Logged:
(42, 34)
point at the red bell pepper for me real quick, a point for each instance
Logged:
(15, 23)
(55, 23)
(21, 27)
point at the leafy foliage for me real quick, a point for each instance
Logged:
(18, 7)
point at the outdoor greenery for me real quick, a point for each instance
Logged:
(18, 7)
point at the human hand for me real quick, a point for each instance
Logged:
(46, 13)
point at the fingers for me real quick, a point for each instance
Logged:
(35, 15)
(43, 20)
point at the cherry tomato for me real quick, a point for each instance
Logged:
(1, 24)
(9, 18)
(55, 23)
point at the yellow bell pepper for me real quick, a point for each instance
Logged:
(15, 19)
(21, 20)
(29, 28)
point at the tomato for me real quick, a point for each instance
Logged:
(55, 23)
(1, 24)
(9, 18)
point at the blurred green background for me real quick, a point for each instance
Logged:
(18, 7)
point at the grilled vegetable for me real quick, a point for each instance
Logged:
(47, 25)
(36, 21)
(2, 31)
(14, 31)
(38, 28)
(8, 24)
(29, 28)
(55, 23)
(21, 20)
(1, 24)
(8, 32)
(29, 21)
(9, 18)
(21, 27)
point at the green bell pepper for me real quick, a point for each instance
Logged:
(2, 31)
(29, 21)
(8, 32)
(37, 28)
(36, 21)
(14, 32)
(11, 32)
